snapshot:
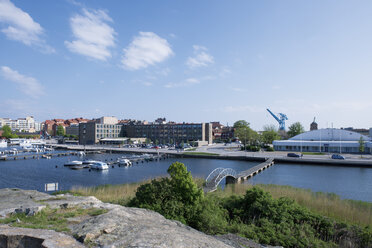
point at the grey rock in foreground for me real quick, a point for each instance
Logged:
(240, 242)
(119, 227)
(14, 237)
(134, 227)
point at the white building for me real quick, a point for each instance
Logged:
(27, 124)
(325, 140)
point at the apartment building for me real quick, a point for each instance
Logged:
(91, 132)
(27, 124)
(171, 132)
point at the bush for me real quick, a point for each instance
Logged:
(270, 149)
(177, 197)
(256, 215)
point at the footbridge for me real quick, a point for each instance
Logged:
(217, 175)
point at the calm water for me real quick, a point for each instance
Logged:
(350, 183)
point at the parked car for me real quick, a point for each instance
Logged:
(337, 156)
(294, 155)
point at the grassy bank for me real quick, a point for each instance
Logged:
(330, 205)
(202, 153)
(313, 153)
(117, 194)
(327, 204)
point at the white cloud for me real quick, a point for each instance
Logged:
(146, 49)
(239, 90)
(147, 84)
(93, 36)
(28, 85)
(201, 58)
(22, 27)
(184, 83)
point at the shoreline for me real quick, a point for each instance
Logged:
(259, 156)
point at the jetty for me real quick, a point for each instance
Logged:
(217, 175)
(40, 155)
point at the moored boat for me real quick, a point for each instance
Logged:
(73, 163)
(124, 161)
(77, 167)
(89, 161)
(3, 144)
(99, 166)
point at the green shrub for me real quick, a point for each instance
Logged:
(255, 215)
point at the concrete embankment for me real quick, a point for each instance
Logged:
(259, 157)
(286, 160)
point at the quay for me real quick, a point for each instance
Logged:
(217, 175)
(228, 154)
(40, 155)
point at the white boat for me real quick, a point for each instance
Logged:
(99, 166)
(31, 143)
(73, 163)
(124, 161)
(3, 144)
(89, 161)
(81, 153)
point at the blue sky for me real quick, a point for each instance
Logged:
(193, 61)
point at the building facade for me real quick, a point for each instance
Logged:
(171, 132)
(329, 140)
(107, 129)
(27, 124)
(90, 133)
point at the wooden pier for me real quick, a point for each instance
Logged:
(244, 175)
(217, 175)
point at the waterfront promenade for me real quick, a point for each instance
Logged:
(232, 151)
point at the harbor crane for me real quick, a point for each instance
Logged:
(281, 118)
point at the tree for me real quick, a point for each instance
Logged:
(177, 197)
(60, 131)
(295, 129)
(7, 132)
(245, 133)
(268, 137)
(361, 145)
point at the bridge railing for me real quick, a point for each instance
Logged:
(216, 176)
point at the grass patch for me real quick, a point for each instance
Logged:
(118, 194)
(326, 204)
(53, 199)
(52, 219)
(313, 153)
(191, 149)
(202, 153)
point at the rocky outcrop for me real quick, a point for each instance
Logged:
(118, 227)
(12, 237)
(240, 242)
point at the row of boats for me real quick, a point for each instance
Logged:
(96, 165)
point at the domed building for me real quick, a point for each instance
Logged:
(325, 140)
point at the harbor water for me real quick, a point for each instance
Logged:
(347, 182)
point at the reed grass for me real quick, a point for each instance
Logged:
(327, 204)
(117, 194)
